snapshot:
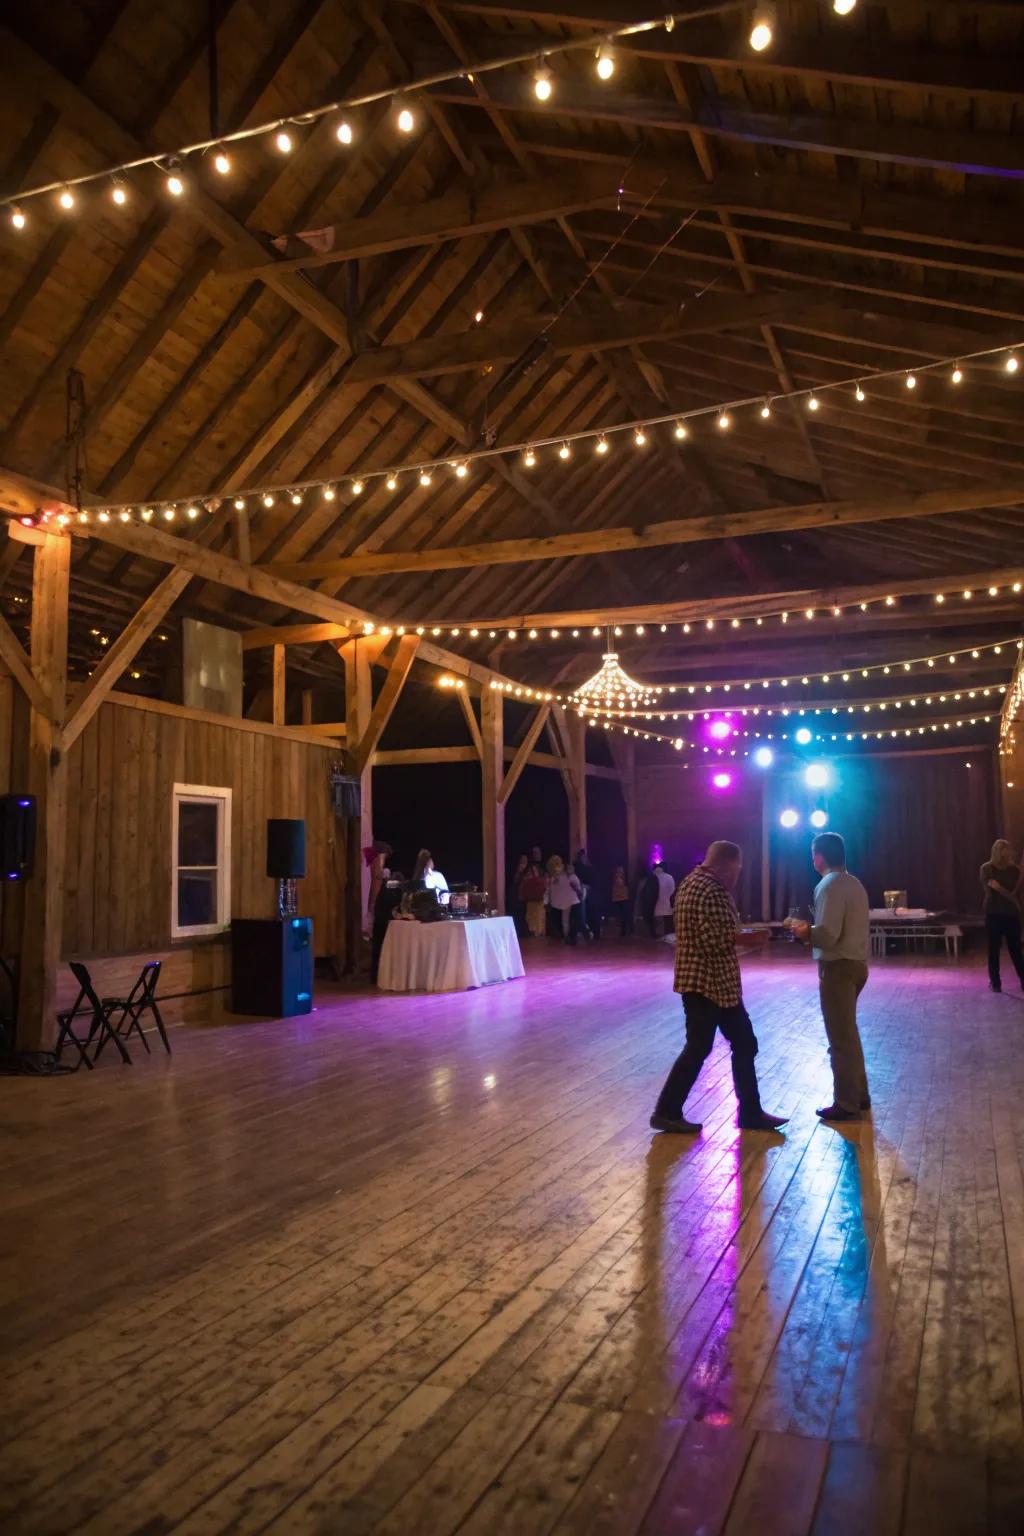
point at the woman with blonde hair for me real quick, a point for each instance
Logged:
(1002, 883)
(564, 896)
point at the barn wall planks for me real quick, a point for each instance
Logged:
(122, 770)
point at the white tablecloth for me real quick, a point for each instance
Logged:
(449, 956)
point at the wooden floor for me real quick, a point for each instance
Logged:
(417, 1265)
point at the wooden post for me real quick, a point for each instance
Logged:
(492, 734)
(357, 656)
(47, 781)
(576, 751)
(624, 755)
(278, 714)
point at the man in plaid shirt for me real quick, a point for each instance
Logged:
(708, 977)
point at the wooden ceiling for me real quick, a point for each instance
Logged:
(849, 201)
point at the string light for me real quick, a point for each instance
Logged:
(329, 493)
(119, 193)
(425, 478)
(724, 421)
(640, 437)
(67, 198)
(843, 7)
(529, 458)
(601, 446)
(462, 470)
(565, 452)
(239, 503)
(283, 142)
(174, 184)
(761, 29)
(812, 402)
(392, 482)
(357, 487)
(859, 395)
(1012, 363)
(910, 381)
(406, 119)
(343, 132)
(766, 411)
(681, 433)
(605, 63)
(956, 377)
(222, 162)
(18, 219)
(543, 83)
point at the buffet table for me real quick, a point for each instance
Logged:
(449, 956)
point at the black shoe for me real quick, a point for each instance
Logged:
(765, 1123)
(835, 1112)
(678, 1126)
(995, 986)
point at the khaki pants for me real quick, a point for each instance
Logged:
(840, 983)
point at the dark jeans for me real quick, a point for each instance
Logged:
(1000, 927)
(703, 1017)
(624, 913)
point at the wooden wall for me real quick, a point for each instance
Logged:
(117, 898)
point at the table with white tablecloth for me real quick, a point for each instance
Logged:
(449, 956)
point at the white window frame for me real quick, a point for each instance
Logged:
(204, 794)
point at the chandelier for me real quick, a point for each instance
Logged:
(612, 688)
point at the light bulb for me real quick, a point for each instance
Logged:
(239, 503)
(565, 452)
(543, 84)
(461, 471)
(406, 120)
(169, 514)
(424, 478)
(910, 381)
(605, 63)
(766, 411)
(859, 395)
(18, 218)
(222, 162)
(724, 422)
(601, 446)
(1012, 363)
(760, 35)
(812, 403)
(268, 500)
(192, 513)
(956, 377)
(67, 198)
(843, 7)
(175, 185)
(329, 493)
(357, 487)
(296, 498)
(343, 132)
(119, 193)
(478, 317)
(640, 437)
(146, 514)
(681, 432)
(529, 458)
(283, 141)
(391, 483)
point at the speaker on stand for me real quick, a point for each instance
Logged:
(272, 958)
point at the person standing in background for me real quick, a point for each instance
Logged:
(621, 905)
(533, 890)
(515, 906)
(840, 936)
(590, 914)
(707, 974)
(564, 897)
(375, 856)
(663, 904)
(1002, 884)
(648, 899)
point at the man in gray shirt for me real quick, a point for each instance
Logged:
(841, 941)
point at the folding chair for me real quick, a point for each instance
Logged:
(100, 1027)
(141, 999)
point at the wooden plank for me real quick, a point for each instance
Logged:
(399, 670)
(821, 514)
(278, 708)
(492, 732)
(292, 634)
(47, 781)
(469, 715)
(522, 753)
(122, 653)
(207, 717)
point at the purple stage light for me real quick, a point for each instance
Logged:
(720, 729)
(722, 780)
(655, 855)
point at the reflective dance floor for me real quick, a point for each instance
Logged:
(417, 1265)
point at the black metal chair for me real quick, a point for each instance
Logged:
(141, 999)
(87, 1006)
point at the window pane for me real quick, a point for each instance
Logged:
(197, 898)
(197, 832)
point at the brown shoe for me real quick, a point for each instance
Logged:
(677, 1126)
(833, 1113)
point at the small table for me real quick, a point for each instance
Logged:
(912, 926)
(449, 956)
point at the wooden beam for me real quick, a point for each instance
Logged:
(356, 655)
(123, 651)
(293, 634)
(509, 342)
(312, 736)
(416, 756)
(278, 686)
(469, 715)
(405, 655)
(526, 746)
(13, 656)
(47, 781)
(492, 730)
(818, 514)
(462, 212)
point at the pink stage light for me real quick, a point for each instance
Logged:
(720, 729)
(722, 780)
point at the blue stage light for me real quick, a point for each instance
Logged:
(789, 818)
(802, 736)
(816, 776)
(819, 820)
(764, 757)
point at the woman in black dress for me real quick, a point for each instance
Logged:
(1002, 883)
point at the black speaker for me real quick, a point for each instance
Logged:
(272, 965)
(286, 849)
(17, 836)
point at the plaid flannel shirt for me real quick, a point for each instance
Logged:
(706, 925)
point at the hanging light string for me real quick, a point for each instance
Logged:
(799, 709)
(720, 624)
(746, 684)
(171, 162)
(190, 507)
